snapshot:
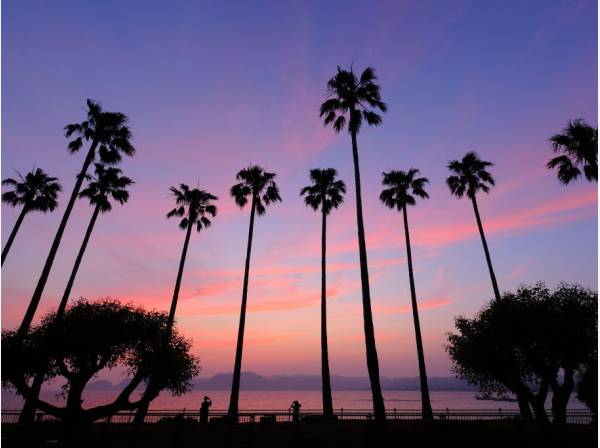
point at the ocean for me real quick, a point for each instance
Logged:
(310, 400)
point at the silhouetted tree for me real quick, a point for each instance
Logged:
(525, 340)
(350, 101)
(109, 137)
(258, 185)
(327, 193)
(403, 187)
(578, 144)
(483, 355)
(90, 337)
(106, 185)
(469, 176)
(35, 192)
(193, 206)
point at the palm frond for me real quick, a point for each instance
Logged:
(469, 176)
(325, 192)
(36, 191)
(349, 99)
(339, 123)
(578, 143)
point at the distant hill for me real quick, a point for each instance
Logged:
(253, 381)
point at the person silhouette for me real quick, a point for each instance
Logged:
(204, 410)
(295, 407)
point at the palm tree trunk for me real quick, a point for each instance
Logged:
(171, 319)
(371, 349)
(237, 368)
(486, 250)
(425, 400)
(152, 390)
(13, 233)
(63, 303)
(327, 400)
(39, 289)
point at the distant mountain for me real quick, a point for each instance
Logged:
(253, 381)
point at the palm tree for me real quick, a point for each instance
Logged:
(403, 187)
(35, 192)
(109, 137)
(579, 145)
(469, 176)
(260, 186)
(349, 101)
(193, 206)
(108, 183)
(325, 193)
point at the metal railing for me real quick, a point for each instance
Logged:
(575, 416)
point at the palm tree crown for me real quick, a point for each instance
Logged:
(470, 175)
(579, 145)
(325, 192)
(36, 191)
(107, 183)
(107, 129)
(352, 99)
(403, 187)
(193, 206)
(257, 183)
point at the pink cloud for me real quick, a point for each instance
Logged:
(553, 211)
(436, 302)
(282, 300)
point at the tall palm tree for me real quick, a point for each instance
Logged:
(327, 193)
(578, 144)
(469, 176)
(109, 137)
(194, 207)
(349, 101)
(258, 185)
(36, 192)
(403, 188)
(108, 183)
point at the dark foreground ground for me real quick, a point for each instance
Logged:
(344, 434)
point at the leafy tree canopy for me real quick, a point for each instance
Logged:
(527, 337)
(88, 338)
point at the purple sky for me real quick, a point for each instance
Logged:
(211, 87)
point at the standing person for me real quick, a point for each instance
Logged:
(204, 410)
(295, 407)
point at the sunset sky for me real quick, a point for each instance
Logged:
(211, 87)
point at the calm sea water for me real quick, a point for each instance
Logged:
(280, 400)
